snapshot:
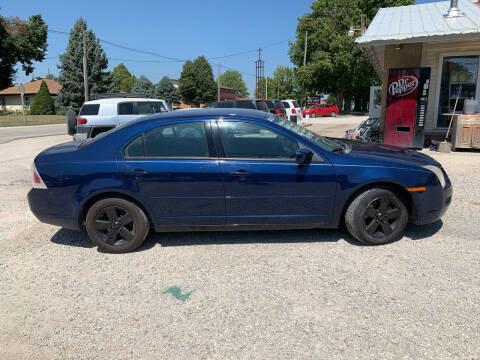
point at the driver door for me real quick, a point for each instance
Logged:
(264, 184)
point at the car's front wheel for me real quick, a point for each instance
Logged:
(312, 115)
(116, 225)
(376, 216)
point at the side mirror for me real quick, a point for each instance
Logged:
(303, 156)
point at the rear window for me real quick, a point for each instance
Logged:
(286, 104)
(225, 104)
(261, 105)
(89, 109)
(295, 104)
(245, 104)
(270, 104)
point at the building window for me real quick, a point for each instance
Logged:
(27, 101)
(459, 77)
(3, 101)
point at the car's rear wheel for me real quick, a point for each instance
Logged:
(116, 225)
(333, 114)
(376, 217)
(312, 115)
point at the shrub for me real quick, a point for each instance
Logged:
(42, 103)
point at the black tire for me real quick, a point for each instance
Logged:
(376, 217)
(313, 115)
(116, 225)
(71, 122)
(333, 114)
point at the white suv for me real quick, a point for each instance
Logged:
(98, 116)
(294, 112)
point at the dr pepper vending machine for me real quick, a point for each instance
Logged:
(407, 97)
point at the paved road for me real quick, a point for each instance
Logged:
(8, 134)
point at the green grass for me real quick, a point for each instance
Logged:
(17, 120)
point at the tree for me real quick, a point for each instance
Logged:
(50, 76)
(283, 84)
(186, 83)
(42, 103)
(124, 80)
(196, 83)
(334, 63)
(20, 42)
(166, 91)
(233, 79)
(144, 87)
(71, 68)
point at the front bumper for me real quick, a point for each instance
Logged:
(49, 209)
(432, 204)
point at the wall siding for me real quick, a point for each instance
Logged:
(430, 58)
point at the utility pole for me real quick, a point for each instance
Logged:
(85, 74)
(304, 63)
(218, 83)
(278, 89)
(266, 88)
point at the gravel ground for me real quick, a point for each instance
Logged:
(313, 294)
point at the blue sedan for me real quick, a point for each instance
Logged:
(224, 169)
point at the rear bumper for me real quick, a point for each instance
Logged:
(48, 211)
(432, 204)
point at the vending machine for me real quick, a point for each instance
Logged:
(407, 98)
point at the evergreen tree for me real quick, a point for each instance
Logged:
(166, 91)
(186, 83)
(42, 103)
(144, 87)
(20, 42)
(124, 80)
(71, 68)
(233, 79)
(206, 88)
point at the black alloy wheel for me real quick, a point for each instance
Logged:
(376, 216)
(116, 225)
(382, 217)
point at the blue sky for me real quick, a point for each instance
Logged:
(178, 29)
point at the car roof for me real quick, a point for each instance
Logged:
(119, 100)
(205, 113)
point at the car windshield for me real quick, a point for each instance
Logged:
(105, 133)
(312, 107)
(319, 140)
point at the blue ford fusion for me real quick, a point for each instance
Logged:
(224, 169)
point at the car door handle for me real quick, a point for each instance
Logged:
(137, 172)
(239, 173)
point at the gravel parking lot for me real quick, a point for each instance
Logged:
(315, 294)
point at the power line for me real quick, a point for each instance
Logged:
(172, 59)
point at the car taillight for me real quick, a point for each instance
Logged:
(277, 111)
(81, 121)
(294, 111)
(37, 181)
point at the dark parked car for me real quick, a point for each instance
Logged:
(276, 107)
(224, 169)
(238, 104)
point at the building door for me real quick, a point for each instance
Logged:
(375, 102)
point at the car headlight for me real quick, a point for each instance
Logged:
(437, 171)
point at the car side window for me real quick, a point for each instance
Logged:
(135, 148)
(286, 104)
(252, 141)
(126, 108)
(177, 141)
(147, 107)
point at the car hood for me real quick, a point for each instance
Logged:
(389, 152)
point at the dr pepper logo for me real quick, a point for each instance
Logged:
(403, 86)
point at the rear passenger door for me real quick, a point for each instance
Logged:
(174, 169)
